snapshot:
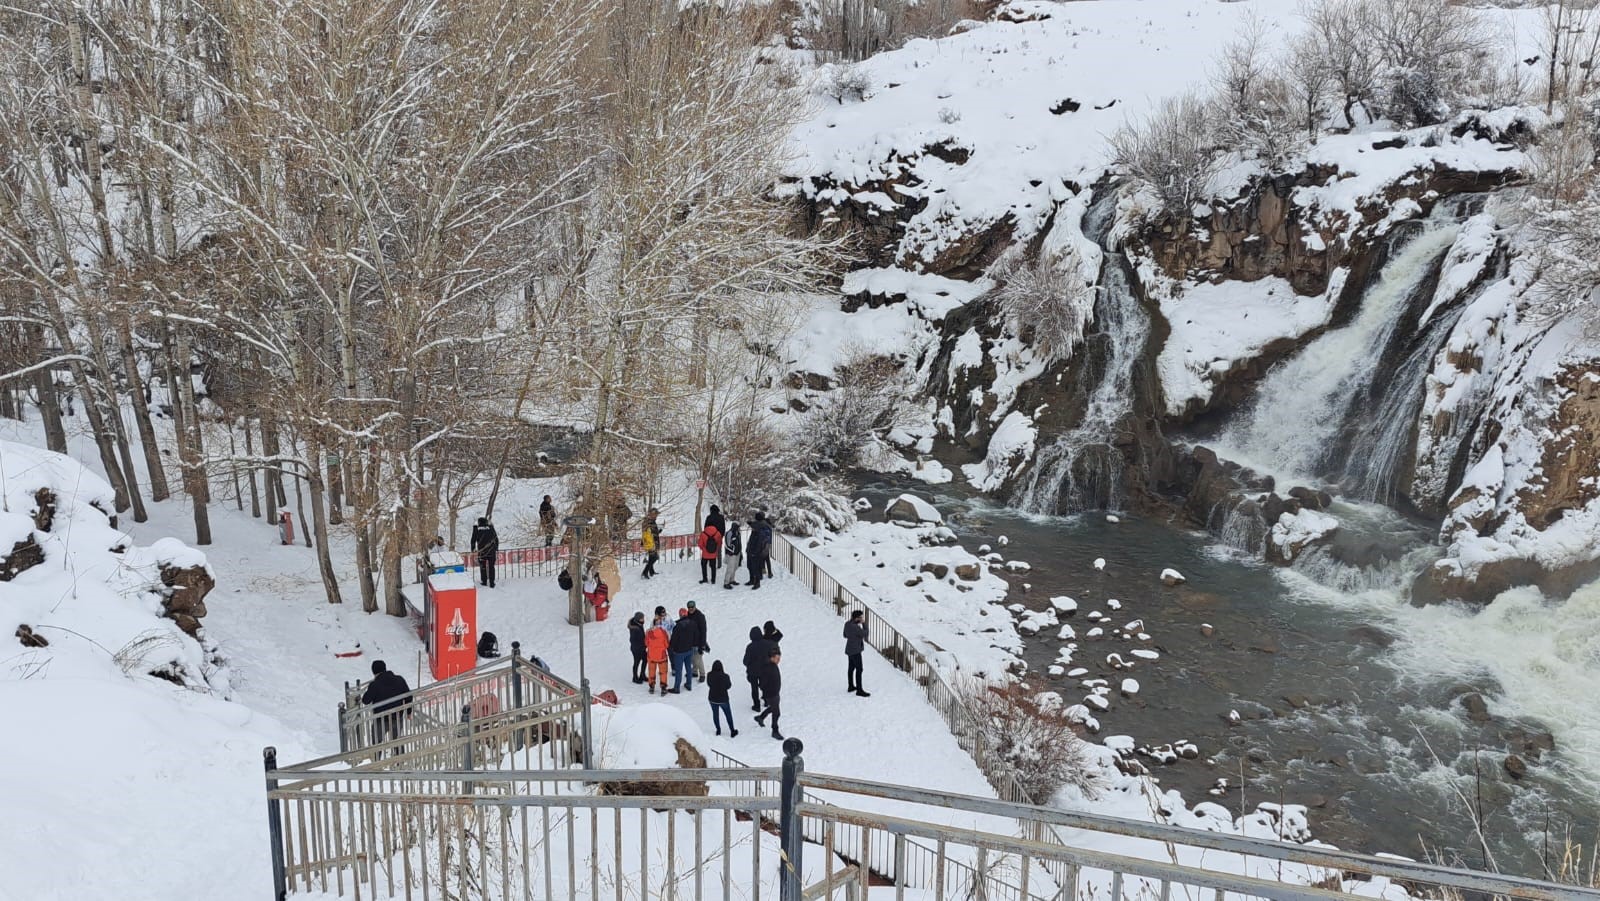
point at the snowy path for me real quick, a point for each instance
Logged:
(893, 736)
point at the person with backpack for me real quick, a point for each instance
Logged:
(637, 646)
(718, 682)
(485, 545)
(388, 695)
(710, 553)
(715, 518)
(685, 641)
(771, 683)
(547, 520)
(656, 643)
(755, 657)
(855, 641)
(705, 648)
(650, 542)
(735, 549)
(757, 549)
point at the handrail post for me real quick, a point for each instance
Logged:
(588, 702)
(280, 886)
(516, 687)
(344, 739)
(466, 745)
(791, 835)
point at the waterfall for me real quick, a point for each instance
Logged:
(1239, 525)
(1304, 402)
(1082, 469)
(1385, 433)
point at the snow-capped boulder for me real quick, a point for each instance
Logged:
(913, 509)
(1171, 577)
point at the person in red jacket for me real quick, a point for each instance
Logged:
(655, 650)
(710, 553)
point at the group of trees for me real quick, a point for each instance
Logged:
(362, 247)
(1411, 62)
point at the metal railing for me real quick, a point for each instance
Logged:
(527, 562)
(908, 657)
(505, 684)
(700, 833)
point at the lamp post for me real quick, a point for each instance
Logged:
(577, 615)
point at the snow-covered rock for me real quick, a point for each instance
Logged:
(1171, 577)
(910, 508)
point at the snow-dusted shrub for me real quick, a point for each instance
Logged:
(812, 503)
(1338, 32)
(866, 403)
(1034, 738)
(844, 83)
(1048, 301)
(856, 29)
(1565, 220)
(1172, 152)
(1432, 53)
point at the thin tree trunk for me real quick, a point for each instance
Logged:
(190, 449)
(44, 382)
(335, 489)
(233, 471)
(253, 471)
(272, 474)
(159, 491)
(300, 510)
(319, 523)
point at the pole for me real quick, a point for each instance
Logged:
(280, 886)
(344, 740)
(588, 702)
(791, 836)
(516, 688)
(466, 745)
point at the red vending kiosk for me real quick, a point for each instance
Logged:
(450, 621)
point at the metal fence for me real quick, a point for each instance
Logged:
(529, 562)
(759, 832)
(506, 684)
(906, 656)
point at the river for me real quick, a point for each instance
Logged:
(1349, 701)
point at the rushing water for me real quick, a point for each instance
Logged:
(1304, 402)
(1081, 469)
(1348, 698)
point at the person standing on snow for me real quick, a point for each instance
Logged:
(637, 646)
(855, 641)
(485, 544)
(735, 549)
(771, 684)
(650, 541)
(384, 695)
(547, 520)
(755, 657)
(718, 682)
(705, 646)
(715, 518)
(685, 641)
(757, 549)
(710, 553)
(656, 643)
(771, 634)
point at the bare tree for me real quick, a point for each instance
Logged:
(1171, 152)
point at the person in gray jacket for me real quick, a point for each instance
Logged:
(855, 641)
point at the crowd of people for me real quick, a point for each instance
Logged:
(676, 644)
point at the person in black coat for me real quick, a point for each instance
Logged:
(755, 657)
(681, 648)
(718, 682)
(715, 518)
(757, 548)
(771, 634)
(705, 644)
(771, 684)
(636, 645)
(387, 694)
(734, 545)
(485, 544)
(855, 641)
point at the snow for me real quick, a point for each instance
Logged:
(1010, 448)
(1215, 326)
(925, 512)
(829, 336)
(1172, 575)
(933, 296)
(1294, 531)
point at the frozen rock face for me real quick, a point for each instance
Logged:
(1528, 511)
(185, 602)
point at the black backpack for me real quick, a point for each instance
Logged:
(713, 546)
(564, 580)
(488, 645)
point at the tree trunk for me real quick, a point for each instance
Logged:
(272, 473)
(190, 449)
(159, 491)
(253, 471)
(44, 383)
(319, 524)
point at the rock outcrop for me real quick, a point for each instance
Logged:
(185, 600)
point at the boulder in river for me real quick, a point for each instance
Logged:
(1171, 577)
(910, 508)
(1477, 709)
(1516, 766)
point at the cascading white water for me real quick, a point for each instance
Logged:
(1081, 466)
(1374, 473)
(1302, 403)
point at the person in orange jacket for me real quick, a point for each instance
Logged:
(710, 553)
(655, 650)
